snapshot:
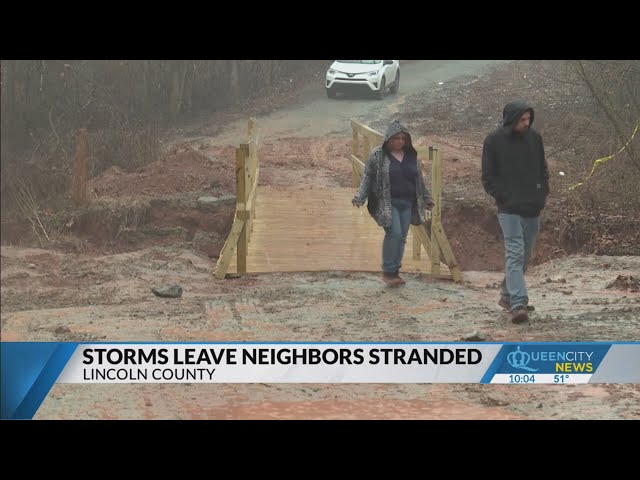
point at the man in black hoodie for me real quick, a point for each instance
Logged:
(515, 174)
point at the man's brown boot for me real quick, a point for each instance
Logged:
(399, 279)
(390, 279)
(504, 303)
(519, 314)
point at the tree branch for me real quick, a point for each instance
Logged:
(610, 115)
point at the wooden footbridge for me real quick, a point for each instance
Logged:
(305, 228)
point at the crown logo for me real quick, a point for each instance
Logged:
(520, 359)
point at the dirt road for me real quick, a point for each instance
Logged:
(319, 116)
(76, 298)
(101, 292)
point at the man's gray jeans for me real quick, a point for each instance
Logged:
(520, 235)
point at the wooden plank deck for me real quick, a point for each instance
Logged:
(300, 229)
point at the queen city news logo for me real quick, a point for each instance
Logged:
(551, 361)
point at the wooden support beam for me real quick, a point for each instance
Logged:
(449, 257)
(229, 247)
(420, 231)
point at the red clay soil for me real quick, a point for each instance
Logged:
(179, 172)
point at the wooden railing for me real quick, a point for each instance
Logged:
(434, 240)
(247, 173)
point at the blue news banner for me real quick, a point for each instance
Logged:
(30, 369)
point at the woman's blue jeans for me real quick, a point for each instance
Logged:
(396, 235)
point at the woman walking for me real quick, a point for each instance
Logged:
(397, 195)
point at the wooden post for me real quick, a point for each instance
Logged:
(417, 244)
(249, 174)
(241, 201)
(247, 171)
(227, 250)
(355, 180)
(366, 148)
(436, 194)
(253, 128)
(240, 163)
(248, 183)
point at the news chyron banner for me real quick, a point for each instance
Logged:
(29, 370)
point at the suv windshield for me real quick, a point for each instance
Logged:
(369, 62)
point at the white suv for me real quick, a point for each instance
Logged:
(375, 75)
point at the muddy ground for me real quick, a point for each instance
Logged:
(148, 228)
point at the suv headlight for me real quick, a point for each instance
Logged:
(332, 72)
(373, 74)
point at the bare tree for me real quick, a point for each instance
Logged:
(615, 87)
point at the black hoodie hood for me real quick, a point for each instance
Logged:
(513, 111)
